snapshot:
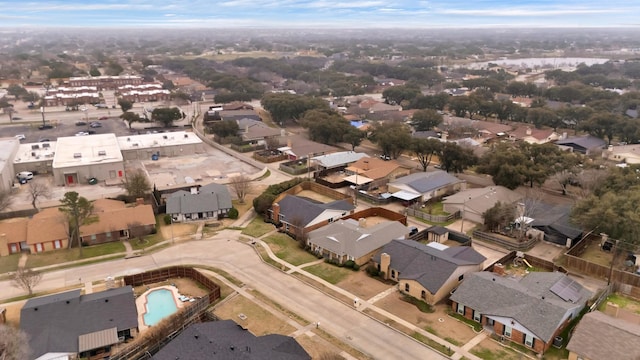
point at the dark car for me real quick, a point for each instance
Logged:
(16, 118)
(95, 125)
(103, 118)
(44, 140)
(45, 127)
(80, 123)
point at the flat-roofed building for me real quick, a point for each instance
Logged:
(80, 158)
(35, 157)
(144, 146)
(8, 150)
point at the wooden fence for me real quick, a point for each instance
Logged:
(508, 244)
(418, 213)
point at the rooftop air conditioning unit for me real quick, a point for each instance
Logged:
(102, 153)
(35, 146)
(77, 155)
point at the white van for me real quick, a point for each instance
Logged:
(25, 176)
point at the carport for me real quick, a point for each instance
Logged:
(405, 195)
(358, 179)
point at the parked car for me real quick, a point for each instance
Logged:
(45, 127)
(16, 118)
(81, 123)
(103, 118)
(20, 137)
(101, 106)
(82, 133)
(24, 176)
(95, 125)
(43, 140)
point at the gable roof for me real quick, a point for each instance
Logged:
(374, 168)
(424, 182)
(555, 217)
(427, 265)
(292, 207)
(47, 225)
(599, 336)
(523, 132)
(528, 300)
(13, 230)
(211, 197)
(346, 237)
(225, 339)
(585, 142)
(120, 219)
(55, 323)
(480, 200)
(338, 158)
(252, 129)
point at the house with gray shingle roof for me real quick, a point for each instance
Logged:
(582, 144)
(69, 323)
(529, 310)
(352, 240)
(337, 160)
(425, 186)
(298, 215)
(210, 201)
(473, 203)
(428, 272)
(600, 336)
(224, 339)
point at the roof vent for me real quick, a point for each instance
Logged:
(46, 145)
(196, 336)
(102, 153)
(164, 137)
(186, 136)
(77, 155)
(128, 139)
(106, 300)
(35, 146)
(68, 301)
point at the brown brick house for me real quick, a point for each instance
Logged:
(116, 221)
(530, 310)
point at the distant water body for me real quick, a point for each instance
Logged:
(552, 62)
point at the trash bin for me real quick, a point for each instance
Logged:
(154, 157)
(93, 181)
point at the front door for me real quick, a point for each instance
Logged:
(69, 179)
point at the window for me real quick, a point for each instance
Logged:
(393, 274)
(477, 316)
(423, 295)
(57, 244)
(39, 247)
(460, 309)
(528, 340)
(507, 331)
(460, 277)
(93, 237)
(406, 287)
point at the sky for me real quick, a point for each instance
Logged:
(285, 14)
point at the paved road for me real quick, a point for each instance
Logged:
(340, 320)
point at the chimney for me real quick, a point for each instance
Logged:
(564, 135)
(275, 212)
(139, 201)
(385, 264)
(528, 132)
(362, 222)
(498, 268)
(444, 135)
(289, 142)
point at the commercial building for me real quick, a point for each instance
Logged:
(8, 150)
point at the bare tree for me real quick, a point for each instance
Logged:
(588, 180)
(528, 208)
(38, 189)
(26, 279)
(137, 184)
(241, 185)
(272, 143)
(5, 200)
(14, 343)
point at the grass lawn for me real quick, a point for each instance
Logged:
(9, 263)
(244, 207)
(257, 227)
(288, 249)
(623, 302)
(435, 209)
(330, 273)
(66, 255)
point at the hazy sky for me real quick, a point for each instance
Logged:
(332, 13)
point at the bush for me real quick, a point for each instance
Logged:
(372, 270)
(233, 213)
(263, 202)
(167, 219)
(356, 267)
(349, 264)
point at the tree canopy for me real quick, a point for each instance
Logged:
(166, 116)
(392, 138)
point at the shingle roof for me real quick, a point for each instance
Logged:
(480, 200)
(227, 340)
(556, 217)
(527, 300)
(338, 159)
(211, 197)
(599, 336)
(120, 219)
(374, 168)
(55, 322)
(47, 225)
(306, 210)
(424, 182)
(346, 237)
(587, 142)
(429, 266)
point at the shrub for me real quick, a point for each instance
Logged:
(349, 264)
(372, 270)
(356, 267)
(233, 213)
(167, 219)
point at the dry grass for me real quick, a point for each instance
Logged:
(363, 286)
(315, 196)
(258, 320)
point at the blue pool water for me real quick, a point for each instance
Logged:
(160, 304)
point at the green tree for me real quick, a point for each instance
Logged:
(130, 117)
(284, 107)
(353, 137)
(78, 211)
(425, 150)
(392, 138)
(398, 94)
(327, 127)
(125, 105)
(424, 120)
(456, 158)
(137, 184)
(602, 125)
(166, 116)
(499, 216)
(94, 71)
(224, 128)
(31, 96)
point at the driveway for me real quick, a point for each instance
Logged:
(338, 319)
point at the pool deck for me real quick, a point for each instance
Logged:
(141, 304)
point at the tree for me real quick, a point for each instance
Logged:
(14, 343)
(602, 125)
(137, 184)
(130, 117)
(224, 128)
(392, 138)
(353, 137)
(327, 127)
(398, 94)
(78, 211)
(125, 105)
(31, 97)
(38, 189)
(241, 185)
(499, 216)
(166, 116)
(5, 200)
(456, 158)
(26, 279)
(425, 149)
(424, 120)
(94, 71)
(284, 107)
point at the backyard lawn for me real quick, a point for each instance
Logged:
(288, 249)
(66, 255)
(257, 227)
(330, 273)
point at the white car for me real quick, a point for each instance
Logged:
(24, 176)
(20, 137)
(82, 133)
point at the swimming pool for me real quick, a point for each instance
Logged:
(160, 304)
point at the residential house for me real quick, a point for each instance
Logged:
(427, 272)
(582, 144)
(533, 135)
(257, 132)
(299, 215)
(368, 173)
(69, 324)
(600, 336)
(472, 203)
(338, 160)
(47, 230)
(627, 154)
(488, 130)
(225, 339)
(555, 222)
(299, 147)
(353, 240)
(239, 114)
(209, 201)
(425, 186)
(115, 221)
(530, 310)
